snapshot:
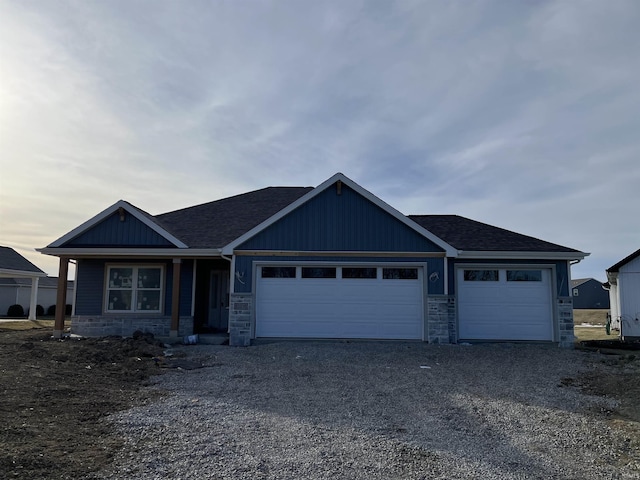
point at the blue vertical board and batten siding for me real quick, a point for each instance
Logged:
(339, 222)
(91, 288)
(113, 232)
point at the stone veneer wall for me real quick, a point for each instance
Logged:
(565, 322)
(124, 326)
(441, 319)
(240, 319)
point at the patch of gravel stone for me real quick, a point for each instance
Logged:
(375, 410)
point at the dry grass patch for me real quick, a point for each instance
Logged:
(593, 333)
(592, 317)
(26, 325)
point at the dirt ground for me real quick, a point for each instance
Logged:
(53, 394)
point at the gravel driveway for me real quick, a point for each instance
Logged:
(376, 410)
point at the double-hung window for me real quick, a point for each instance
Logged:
(134, 288)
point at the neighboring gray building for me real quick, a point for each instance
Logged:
(624, 293)
(588, 293)
(15, 266)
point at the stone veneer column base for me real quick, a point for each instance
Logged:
(565, 322)
(240, 319)
(441, 319)
(124, 326)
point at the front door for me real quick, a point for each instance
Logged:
(219, 300)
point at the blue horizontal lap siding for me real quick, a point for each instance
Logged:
(244, 267)
(345, 222)
(90, 285)
(113, 232)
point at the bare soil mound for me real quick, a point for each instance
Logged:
(53, 394)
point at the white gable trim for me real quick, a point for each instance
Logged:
(449, 250)
(130, 209)
(9, 273)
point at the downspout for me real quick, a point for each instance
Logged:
(232, 265)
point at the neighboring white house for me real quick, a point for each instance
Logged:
(18, 291)
(624, 295)
(15, 266)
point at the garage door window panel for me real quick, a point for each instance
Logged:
(400, 273)
(278, 272)
(318, 272)
(358, 273)
(481, 275)
(524, 275)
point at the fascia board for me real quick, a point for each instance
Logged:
(110, 211)
(130, 252)
(467, 254)
(624, 261)
(8, 273)
(449, 250)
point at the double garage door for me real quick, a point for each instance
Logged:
(504, 304)
(339, 302)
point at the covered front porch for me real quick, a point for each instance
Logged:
(116, 297)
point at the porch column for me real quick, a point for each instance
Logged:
(33, 305)
(61, 299)
(175, 298)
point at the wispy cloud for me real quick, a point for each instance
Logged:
(520, 114)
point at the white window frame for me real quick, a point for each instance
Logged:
(134, 288)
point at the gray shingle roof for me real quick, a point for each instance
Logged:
(215, 224)
(466, 234)
(12, 260)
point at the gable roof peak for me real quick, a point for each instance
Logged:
(450, 251)
(122, 207)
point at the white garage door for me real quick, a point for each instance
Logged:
(339, 302)
(504, 304)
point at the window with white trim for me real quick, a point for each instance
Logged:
(134, 288)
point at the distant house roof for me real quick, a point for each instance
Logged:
(11, 262)
(576, 282)
(466, 234)
(215, 224)
(623, 262)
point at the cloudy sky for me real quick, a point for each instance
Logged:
(520, 114)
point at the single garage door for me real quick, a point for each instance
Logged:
(504, 304)
(339, 302)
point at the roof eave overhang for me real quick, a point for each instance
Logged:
(9, 273)
(131, 252)
(468, 254)
(448, 249)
